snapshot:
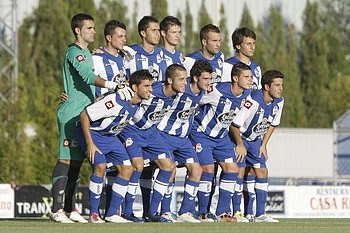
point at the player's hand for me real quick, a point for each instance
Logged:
(125, 93)
(90, 152)
(98, 50)
(240, 152)
(63, 97)
(263, 151)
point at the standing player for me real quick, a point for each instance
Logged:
(99, 124)
(142, 138)
(210, 38)
(147, 55)
(256, 122)
(79, 84)
(243, 41)
(174, 128)
(210, 137)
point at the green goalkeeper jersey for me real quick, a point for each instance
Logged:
(79, 80)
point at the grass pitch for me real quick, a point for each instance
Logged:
(284, 226)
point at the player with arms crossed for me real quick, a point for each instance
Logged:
(99, 124)
(210, 39)
(142, 139)
(252, 129)
(79, 84)
(210, 138)
(175, 127)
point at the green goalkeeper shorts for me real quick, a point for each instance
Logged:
(68, 148)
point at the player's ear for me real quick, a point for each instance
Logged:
(238, 47)
(169, 80)
(108, 38)
(134, 87)
(143, 33)
(163, 33)
(234, 79)
(204, 42)
(77, 30)
(195, 78)
(266, 87)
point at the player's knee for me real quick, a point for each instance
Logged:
(100, 169)
(196, 170)
(127, 170)
(208, 168)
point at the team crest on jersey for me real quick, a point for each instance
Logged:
(254, 87)
(247, 104)
(275, 110)
(128, 142)
(215, 78)
(159, 58)
(227, 118)
(198, 147)
(120, 78)
(220, 63)
(186, 114)
(262, 127)
(109, 104)
(80, 58)
(157, 116)
(117, 128)
(66, 142)
(257, 73)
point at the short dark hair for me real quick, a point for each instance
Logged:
(269, 76)
(238, 68)
(144, 23)
(239, 33)
(171, 71)
(138, 76)
(203, 34)
(77, 21)
(111, 25)
(169, 21)
(199, 67)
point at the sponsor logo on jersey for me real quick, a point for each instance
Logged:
(128, 142)
(109, 104)
(227, 118)
(157, 116)
(262, 127)
(247, 104)
(117, 128)
(215, 78)
(80, 58)
(186, 114)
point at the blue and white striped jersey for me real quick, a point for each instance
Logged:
(219, 109)
(179, 119)
(151, 111)
(142, 60)
(254, 67)
(216, 63)
(172, 58)
(255, 117)
(108, 67)
(110, 115)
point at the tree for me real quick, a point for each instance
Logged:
(224, 33)
(159, 8)
(190, 36)
(203, 17)
(314, 68)
(133, 36)
(246, 19)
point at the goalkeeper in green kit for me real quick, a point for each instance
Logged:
(79, 84)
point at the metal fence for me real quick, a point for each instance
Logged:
(341, 134)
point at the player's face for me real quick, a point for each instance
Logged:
(118, 38)
(144, 89)
(152, 33)
(247, 47)
(87, 32)
(212, 43)
(245, 79)
(179, 81)
(204, 81)
(172, 35)
(276, 88)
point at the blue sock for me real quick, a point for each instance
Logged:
(226, 190)
(131, 193)
(191, 189)
(204, 190)
(95, 190)
(261, 186)
(166, 201)
(160, 186)
(249, 194)
(119, 189)
(237, 196)
(110, 178)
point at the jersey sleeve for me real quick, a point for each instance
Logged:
(226, 72)
(104, 108)
(246, 113)
(188, 63)
(82, 65)
(277, 119)
(211, 96)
